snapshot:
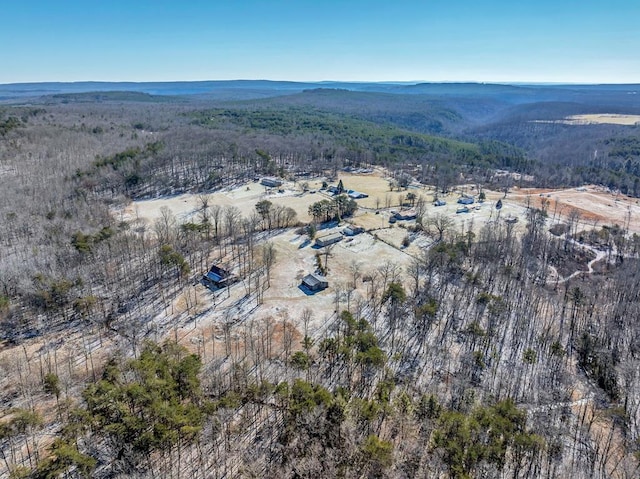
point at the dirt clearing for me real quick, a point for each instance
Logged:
(595, 204)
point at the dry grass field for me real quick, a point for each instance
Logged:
(603, 118)
(185, 207)
(597, 119)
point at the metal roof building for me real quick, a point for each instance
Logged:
(328, 239)
(315, 282)
(217, 277)
(271, 182)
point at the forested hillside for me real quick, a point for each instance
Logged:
(503, 350)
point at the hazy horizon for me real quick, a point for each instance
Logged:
(355, 82)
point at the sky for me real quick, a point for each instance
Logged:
(564, 41)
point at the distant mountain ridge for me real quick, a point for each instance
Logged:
(247, 89)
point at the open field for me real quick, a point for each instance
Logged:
(186, 207)
(597, 119)
(605, 118)
(596, 205)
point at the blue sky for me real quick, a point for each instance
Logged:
(584, 41)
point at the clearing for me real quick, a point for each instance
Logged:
(596, 205)
(597, 119)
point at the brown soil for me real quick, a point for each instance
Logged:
(595, 205)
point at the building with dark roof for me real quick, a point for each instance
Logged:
(271, 182)
(405, 215)
(315, 282)
(217, 277)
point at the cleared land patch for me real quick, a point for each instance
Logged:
(595, 204)
(597, 119)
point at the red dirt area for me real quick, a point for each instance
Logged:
(594, 205)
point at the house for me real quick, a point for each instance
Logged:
(356, 195)
(217, 277)
(352, 230)
(406, 215)
(271, 182)
(328, 239)
(315, 282)
(465, 200)
(333, 189)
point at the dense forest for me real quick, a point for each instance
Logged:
(475, 361)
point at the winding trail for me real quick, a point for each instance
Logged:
(600, 255)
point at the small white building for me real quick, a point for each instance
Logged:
(352, 230)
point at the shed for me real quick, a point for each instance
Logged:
(271, 182)
(439, 203)
(315, 282)
(328, 239)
